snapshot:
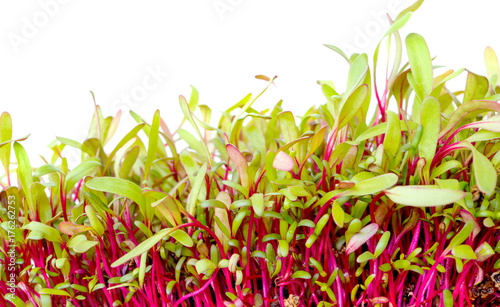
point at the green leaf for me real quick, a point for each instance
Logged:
(361, 237)
(463, 252)
(430, 120)
(195, 190)
(142, 268)
(338, 214)
(153, 143)
(339, 51)
(492, 67)
(182, 237)
(460, 237)
(373, 185)
(484, 171)
(445, 167)
(448, 298)
(316, 141)
(125, 140)
(351, 106)
(301, 274)
(191, 141)
(84, 246)
(258, 203)
(467, 111)
(94, 220)
(48, 232)
(24, 173)
(283, 248)
(128, 162)
(423, 196)
(382, 243)
(82, 170)
(380, 129)
(421, 64)
(54, 292)
(143, 247)
(47, 169)
(5, 135)
(366, 256)
(392, 138)
(288, 128)
(476, 87)
(168, 208)
(205, 266)
(189, 116)
(118, 186)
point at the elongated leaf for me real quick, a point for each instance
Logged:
(94, 220)
(352, 106)
(48, 232)
(5, 135)
(444, 167)
(316, 141)
(373, 185)
(47, 169)
(430, 120)
(460, 237)
(380, 129)
(361, 237)
(71, 228)
(490, 124)
(125, 140)
(420, 63)
(182, 237)
(195, 190)
(484, 171)
(168, 208)
(241, 165)
(476, 87)
(142, 248)
(54, 292)
(467, 111)
(288, 127)
(24, 173)
(82, 170)
(392, 134)
(423, 196)
(492, 67)
(118, 186)
(153, 143)
(258, 203)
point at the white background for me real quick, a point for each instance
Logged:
(53, 53)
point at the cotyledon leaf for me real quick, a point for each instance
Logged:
(195, 190)
(484, 171)
(372, 185)
(153, 143)
(351, 106)
(392, 134)
(118, 186)
(423, 196)
(430, 120)
(79, 172)
(380, 129)
(420, 63)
